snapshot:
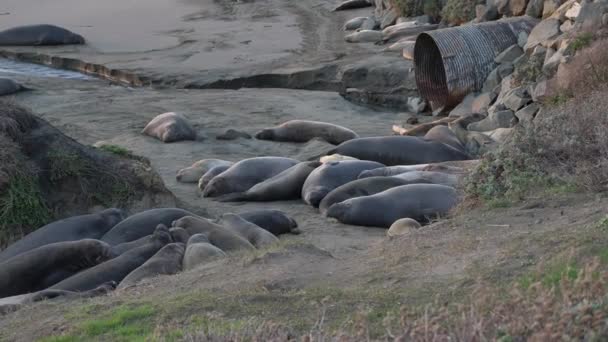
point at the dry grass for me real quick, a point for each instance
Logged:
(588, 69)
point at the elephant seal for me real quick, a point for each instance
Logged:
(274, 221)
(8, 87)
(430, 177)
(330, 176)
(364, 36)
(399, 150)
(91, 226)
(193, 173)
(168, 260)
(452, 167)
(42, 267)
(416, 201)
(444, 134)
(335, 157)
(243, 175)
(287, 185)
(403, 226)
(257, 236)
(142, 224)
(200, 250)
(209, 175)
(127, 246)
(39, 35)
(179, 235)
(357, 188)
(170, 127)
(116, 269)
(305, 130)
(352, 4)
(354, 23)
(219, 236)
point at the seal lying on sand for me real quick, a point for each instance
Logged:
(352, 4)
(330, 176)
(403, 226)
(39, 35)
(92, 226)
(274, 221)
(444, 134)
(193, 173)
(416, 201)
(430, 177)
(199, 251)
(219, 236)
(243, 175)
(45, 266)
(364, 36)
(209, 175)
(170, 127)
(166, 261)
(8, 87)
(305, 130)
(399, 150)
(257, 236)
(287, 185)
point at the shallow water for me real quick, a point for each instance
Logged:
(13, 67)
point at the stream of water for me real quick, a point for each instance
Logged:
(13, 67)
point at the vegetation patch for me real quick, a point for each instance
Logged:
(528, 69)
(581, 41)
(458, 12)
(117, 150)
(412, 8)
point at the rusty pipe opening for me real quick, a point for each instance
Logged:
(429, 70)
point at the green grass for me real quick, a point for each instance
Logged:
(117, 150)
(581, 41)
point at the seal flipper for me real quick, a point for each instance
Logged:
(233, 197)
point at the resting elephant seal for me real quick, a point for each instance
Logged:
(170, 127)
(305, 130)
(143, 224)
(430, 177)
(444, 134)
(127, 246)
(274, 221)
(446, 167)
(416, 201)
(243, 175)
(209, 175)
(364, 36)
(287, 185)
(42, 267)
(352, 4)
(330, 176)
(193, 173)
(8, 87)
(199, 251)
(357, 188)
(92, 226)
(354, 23)
(179, 235)
(403, 226)
(335, 157)
(219, 236)
(399, 150)
(168, 260)
(114, 270)
(39, 35)
(257, 236)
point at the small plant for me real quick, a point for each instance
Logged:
(117, 150)
(528, 69)
(581, 41)
(457, 12)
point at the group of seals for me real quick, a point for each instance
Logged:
(39, 35)
(193, 173)
(170, 127)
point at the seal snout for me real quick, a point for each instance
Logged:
(264, 134)
(314, 197)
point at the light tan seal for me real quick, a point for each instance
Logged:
(193, 173)
(403, 226)
(306, 130)
(170, 127)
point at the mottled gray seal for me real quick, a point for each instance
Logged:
(352, 4)
(364, 36)
(168, 260)
(305, 130)
(115, 269)
(8, 87)
(444, 134)
(209, 175)
(274, 221)
(42, 267)
(39, 35)
(399, 150)
(354, 23)
(193, 173)
(330, 176)
(403, 226)
(142, 224)
(287, 185)
(127, 246)
(170, 127)
(179, 235)
(357, 188)
(243, 175)
(257, 236)
(416, 201)
(199, 251)
(91, 226)
(446, 167)
(430, 177)
(219, 236)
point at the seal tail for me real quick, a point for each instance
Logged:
(233, 197)
(317, 157)
(24, 88)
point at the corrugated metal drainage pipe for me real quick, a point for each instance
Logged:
(452, 62)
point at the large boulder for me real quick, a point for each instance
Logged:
(500, 119)
(535, 8)
(517, 7)
(590, 15)
(509, 54)
(550, 6)
(545, 30)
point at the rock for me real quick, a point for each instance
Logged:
(408, 51)
(590, 16)
(502, 6)
(500, 119)
(540, 91)
(526, 114)
(412, 120)
(534, 9)
(482, 102)
(545, 30)
(567, 26)
(517, 7)
(479, 11)
(492, 81)
(509, 54)
(465, 107)
(232, 134)
(522, 39)
(416, 104)
(560, 12)
(550, 66)
(574, 11)
(389, 18)
(516, 99)
(539, 51)
(423, 20)
(354, 23)
(505, 70)
(369, 23)
(548, 55)
(402, 20)
(550, 6)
